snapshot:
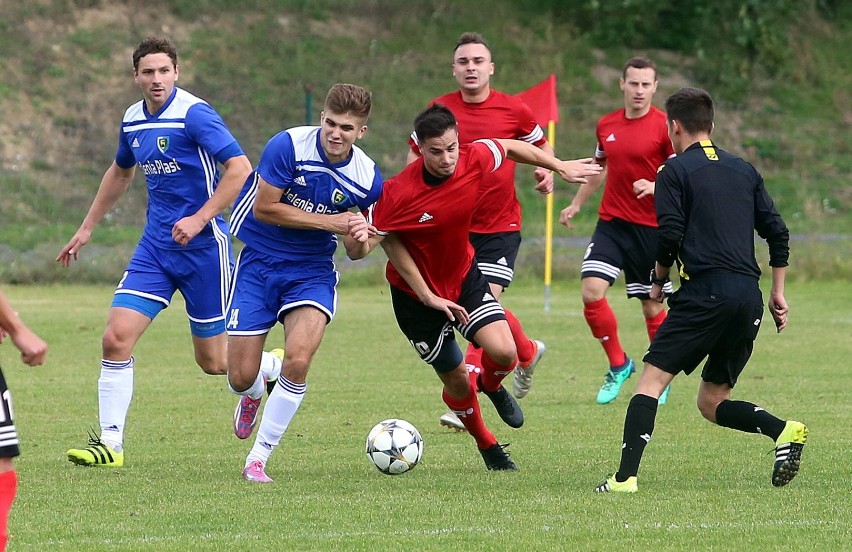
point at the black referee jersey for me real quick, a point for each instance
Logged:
(709, 204)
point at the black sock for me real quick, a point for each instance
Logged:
(638, 427)
(748, 417)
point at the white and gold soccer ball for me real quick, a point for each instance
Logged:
(394, 446)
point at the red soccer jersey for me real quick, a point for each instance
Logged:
(433, 222)
(499, 116)
(633, 149)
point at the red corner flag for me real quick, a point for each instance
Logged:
(541, 98)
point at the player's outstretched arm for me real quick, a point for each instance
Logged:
(237, 170)
(113, 184)
(33, 348)
(575, 170)
(401, 259)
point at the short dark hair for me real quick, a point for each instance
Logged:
(639, 63)
(692, 108)
(433, 122)
(154, 45)
(349, 98)
(470, 38)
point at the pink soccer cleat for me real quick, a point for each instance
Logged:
(254, 473)
(245, 416)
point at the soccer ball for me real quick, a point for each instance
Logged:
(394, 446)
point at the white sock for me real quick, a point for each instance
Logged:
(270, 366)
(115, 390)
(255, 391)
(279, 411)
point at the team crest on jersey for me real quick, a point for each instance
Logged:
(338, 196)
(162, 143)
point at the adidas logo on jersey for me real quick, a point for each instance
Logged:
(488, 297)
(425, 217)
(610, 138)
(135, 143)
(502, 261)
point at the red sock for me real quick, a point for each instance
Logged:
(470, 415)
(8, 488)
(526, 349)
(653, 324)
(493, 373)
(473, 360)
(602, 322)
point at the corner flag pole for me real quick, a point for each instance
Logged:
(548, 227)
(542, 101)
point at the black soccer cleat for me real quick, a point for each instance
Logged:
(497, 459)
(507, 407)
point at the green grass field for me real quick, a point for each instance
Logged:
(701, 487)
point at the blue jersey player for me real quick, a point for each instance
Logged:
(311, 185)
(177, 140)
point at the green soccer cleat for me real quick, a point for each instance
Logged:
(665, 396)
(613, 381)
(97, 453)
(788, 452)
(613, 486)
(270, 384)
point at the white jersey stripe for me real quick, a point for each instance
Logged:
(495, 150)
(334, 174)
(130, 127)
(534, 136)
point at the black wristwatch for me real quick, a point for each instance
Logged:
(658, 281)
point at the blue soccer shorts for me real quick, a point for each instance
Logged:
(202, 275)
(266, 288)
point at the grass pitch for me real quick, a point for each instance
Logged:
(700, 486)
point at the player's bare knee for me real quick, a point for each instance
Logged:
(239, 381)
(296, 368)
(504, 354)
(456, 383)
(707, 406)
(115, 346)
(212, 366)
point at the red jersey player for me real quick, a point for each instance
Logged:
(495, 233)
(631, 144)
(422, 220)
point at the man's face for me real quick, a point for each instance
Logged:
(441, 154)
(156, 76)
(338, 132)
(472, 66)
(638, 86)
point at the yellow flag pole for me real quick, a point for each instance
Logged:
(548, 227)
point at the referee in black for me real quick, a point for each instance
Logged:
(709, 204)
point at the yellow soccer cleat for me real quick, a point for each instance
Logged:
(613, 486)
(788, 453)
(97, 453)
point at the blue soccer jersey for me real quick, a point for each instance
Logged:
(294, 161)
(177, 148)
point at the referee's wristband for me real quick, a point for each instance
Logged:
(658, 281)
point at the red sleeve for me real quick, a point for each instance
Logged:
(528, 126)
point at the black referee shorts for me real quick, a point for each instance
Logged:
(716, 319)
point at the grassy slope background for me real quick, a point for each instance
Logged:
(67, 81)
